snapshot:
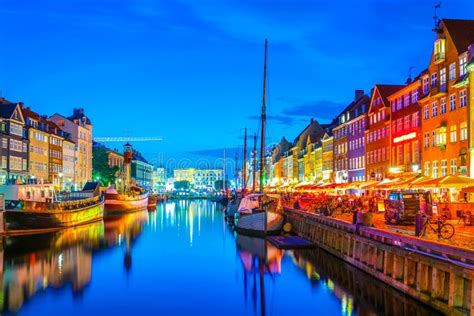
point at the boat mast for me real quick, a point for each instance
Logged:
(244, 167)
(262, 136)
(254, 168)
(224, 185)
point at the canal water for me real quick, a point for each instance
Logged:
(182, 259)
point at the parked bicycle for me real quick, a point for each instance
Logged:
(439, 226)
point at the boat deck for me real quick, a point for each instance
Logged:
(291, 242)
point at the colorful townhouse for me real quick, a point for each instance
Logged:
(356, 138)
(378, 150)
(342, 133)
(14, 148)
(406, 135)
(446, 114)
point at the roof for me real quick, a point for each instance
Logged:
(78, 114)
(387, 89)
(7, 108)
(461, 33)
(313, 131)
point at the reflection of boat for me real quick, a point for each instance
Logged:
(152, 201)
(36, 207)
(258, 257)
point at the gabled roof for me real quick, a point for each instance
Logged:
(78, 114)
(461, 33)
(7, 109)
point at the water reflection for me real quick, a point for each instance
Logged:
(182, 259)
(34, 263)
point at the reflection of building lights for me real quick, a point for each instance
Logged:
(394, 170)
(60, 263)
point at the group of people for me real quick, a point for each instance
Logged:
(331, 204)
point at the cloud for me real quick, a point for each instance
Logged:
(280, 119)
(324, 110)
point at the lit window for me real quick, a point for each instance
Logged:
(435, 169)
(406, 100)
(442, 76)
(415, 118)
(444, 168)
(406, 122)
(434, 109)
(462, 65)
(426, 110)
(452, 71)
(414, 96)
(427, 140)
(462, 98)
(453, 166)
(452, 102)
(426, 84)
(463, 131)
(434, 79)
(443, 106)
(453, 133)
(427, 169)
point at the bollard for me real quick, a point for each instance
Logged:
(418, 224)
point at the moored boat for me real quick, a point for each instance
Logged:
(36, 206)
(152, 202)
(132, 200)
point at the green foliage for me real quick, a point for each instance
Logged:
(101, 169)
(182, 185)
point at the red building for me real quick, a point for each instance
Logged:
(377, 134)
(406, 135)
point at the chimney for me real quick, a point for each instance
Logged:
(311, 121)
(408, 80)
(78, 111)
(358, 94)
(20, 104)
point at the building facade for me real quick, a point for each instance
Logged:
(378, 150)
(406, 129)
(199, 178)
(327, 155)
(444, 101)
(69, 164)
(356, 139)
(141, 170)
(14, 148)
(79, 126)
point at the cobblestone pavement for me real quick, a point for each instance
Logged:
(463, 237)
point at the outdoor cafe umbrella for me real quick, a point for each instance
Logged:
(454, 181)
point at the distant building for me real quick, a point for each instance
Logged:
(141, 170)
(69, 164)
(199, 178)
(79, 126)
(159, 179)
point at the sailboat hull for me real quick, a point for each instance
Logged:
(254, 224)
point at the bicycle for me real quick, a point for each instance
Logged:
(443, 229)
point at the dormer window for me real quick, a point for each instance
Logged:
(462, 65)
(439, 50)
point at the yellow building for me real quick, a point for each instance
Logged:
(38, 154)
(318, 163)
(327, 156)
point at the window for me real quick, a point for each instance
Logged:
(427, 169)
(434, 138)
(414, 96)
(434, 79)
(441, 136)
(443, 106)
(453, 166)
(452, 102)
(452, 71)
(415, 119)
(4, 162)
(462, 98)
(435, 169)
(406, 122)
(399, 125)
(394, 127)
(427, 140)
(16, 163)
(426, 110)
(444, 168)
(463, 131)
(16, 129)
(442, 76)
(416, 152)
(4, 143)
(16, 145)
(439, 49)
(426, 84)
(24, 148)
(394, 104)
(434, 109)
(406, 100)
(399, 103)
(453, 133)
(25, 164)
(462, 65)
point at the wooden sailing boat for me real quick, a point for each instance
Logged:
(262, 222)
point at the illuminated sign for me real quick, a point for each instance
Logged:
(404, 137)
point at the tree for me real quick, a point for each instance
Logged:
(182, 185)
(101, 168)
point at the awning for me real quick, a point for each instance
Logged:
(454, 182)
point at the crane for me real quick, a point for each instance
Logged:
(127, 139)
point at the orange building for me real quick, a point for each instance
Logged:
(444, 102)
(406, 129)
(378, 132)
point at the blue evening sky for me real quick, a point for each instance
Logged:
(191, 71)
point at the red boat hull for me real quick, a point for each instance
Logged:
(121, 203)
